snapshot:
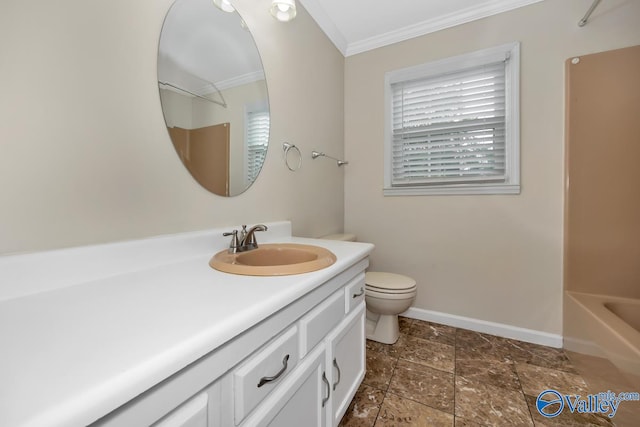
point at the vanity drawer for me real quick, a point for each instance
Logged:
(319, 321)
(354, 293)
(255, 378)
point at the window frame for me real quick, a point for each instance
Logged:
(509, 52)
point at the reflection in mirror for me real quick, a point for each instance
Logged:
(214, 95)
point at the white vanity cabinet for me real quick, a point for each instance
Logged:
(318, 391)
(299, 367)
(145, 333)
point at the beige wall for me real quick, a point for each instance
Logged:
(494, 258)
(86, 157)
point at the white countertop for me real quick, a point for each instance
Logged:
(130, 315)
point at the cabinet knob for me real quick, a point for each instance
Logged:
(359, 294)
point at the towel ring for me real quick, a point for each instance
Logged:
(287, 148)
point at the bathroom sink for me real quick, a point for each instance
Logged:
(274, 259)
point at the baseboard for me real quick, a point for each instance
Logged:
(499, 329)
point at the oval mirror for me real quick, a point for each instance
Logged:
(213, 94)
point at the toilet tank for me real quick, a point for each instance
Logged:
(341, 236)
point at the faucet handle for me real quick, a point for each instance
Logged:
(235, 243)
(250, 237)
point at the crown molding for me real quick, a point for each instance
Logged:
(326, 24)
(436, 24)
(463, 16)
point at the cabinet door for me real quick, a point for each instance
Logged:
(300, 400)
(346, 362)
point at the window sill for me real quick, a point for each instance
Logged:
(453, 189)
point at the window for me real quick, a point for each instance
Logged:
(257, 141)
(452, 126)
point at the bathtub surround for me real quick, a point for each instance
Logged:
(496, 258)
(602, 208)
(602, 211)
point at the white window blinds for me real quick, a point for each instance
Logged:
(449, 128)
(452, 125)
(257, 140)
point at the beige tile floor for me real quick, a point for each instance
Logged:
(438, 375)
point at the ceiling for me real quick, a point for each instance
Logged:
(356, 26)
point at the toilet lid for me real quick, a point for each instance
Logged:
(388, 282)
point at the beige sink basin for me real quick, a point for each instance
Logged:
(274, 259)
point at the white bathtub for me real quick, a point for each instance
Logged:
(604, 326)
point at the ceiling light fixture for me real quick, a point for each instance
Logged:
(283, 10)
(224, 5)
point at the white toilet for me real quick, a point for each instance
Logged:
(386, 296)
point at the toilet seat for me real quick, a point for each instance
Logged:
(391, 295)
(389, 283)
(373, 291)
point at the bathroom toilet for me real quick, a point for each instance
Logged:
(386, 296)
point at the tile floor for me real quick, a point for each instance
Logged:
(438, 375)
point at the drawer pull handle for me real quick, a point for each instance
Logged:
(335, 363)
(265, 380)
(326, 381)
(359, 294)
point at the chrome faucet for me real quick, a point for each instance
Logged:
(246, 241)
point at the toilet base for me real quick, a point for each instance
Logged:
(382, 328)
